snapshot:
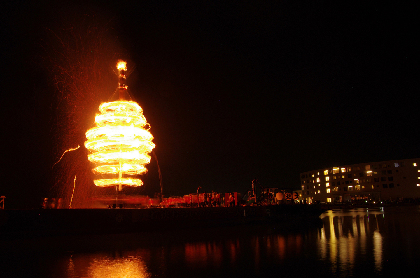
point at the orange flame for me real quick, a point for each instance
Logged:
(121, 65)
(120, 143)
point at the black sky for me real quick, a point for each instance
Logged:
(233, 91)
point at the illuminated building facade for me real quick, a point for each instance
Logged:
(376, 181)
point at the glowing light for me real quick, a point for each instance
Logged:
(121, 65)
(120, 143)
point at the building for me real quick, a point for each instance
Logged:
(376, 181)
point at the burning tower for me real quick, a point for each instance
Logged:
(120, 143)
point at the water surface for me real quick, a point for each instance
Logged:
(357, 242)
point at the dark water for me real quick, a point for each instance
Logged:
(359, 243)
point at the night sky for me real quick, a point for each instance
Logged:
(233, 91)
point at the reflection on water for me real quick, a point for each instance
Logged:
(257, 249)
(204, 254)
(100, 266)
(227, 253)
(358, 242)
(347, 234)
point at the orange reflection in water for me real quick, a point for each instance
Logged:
(106, 266)
(213, 254)
(203, 254)
(122, 267)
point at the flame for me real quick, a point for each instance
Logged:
(121, 65)
(120, 143)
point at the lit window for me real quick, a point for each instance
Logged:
(327, 184)
(325, 172)
(319, 191)
(369, 173)
(318, 180)
(396, 164)
(327, 178)
(328, 200)
(303, 187)
(373, 187)
(418, 184)
(357, 187)
(336, 170)
(318, 173)
(313, 175)
(319, 184)
(328, 190)
(414, 164)
(350, 187)
(343, 170)
(418, 171)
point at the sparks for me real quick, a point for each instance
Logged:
(120, 143)
(72, 194)
(69, 150)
